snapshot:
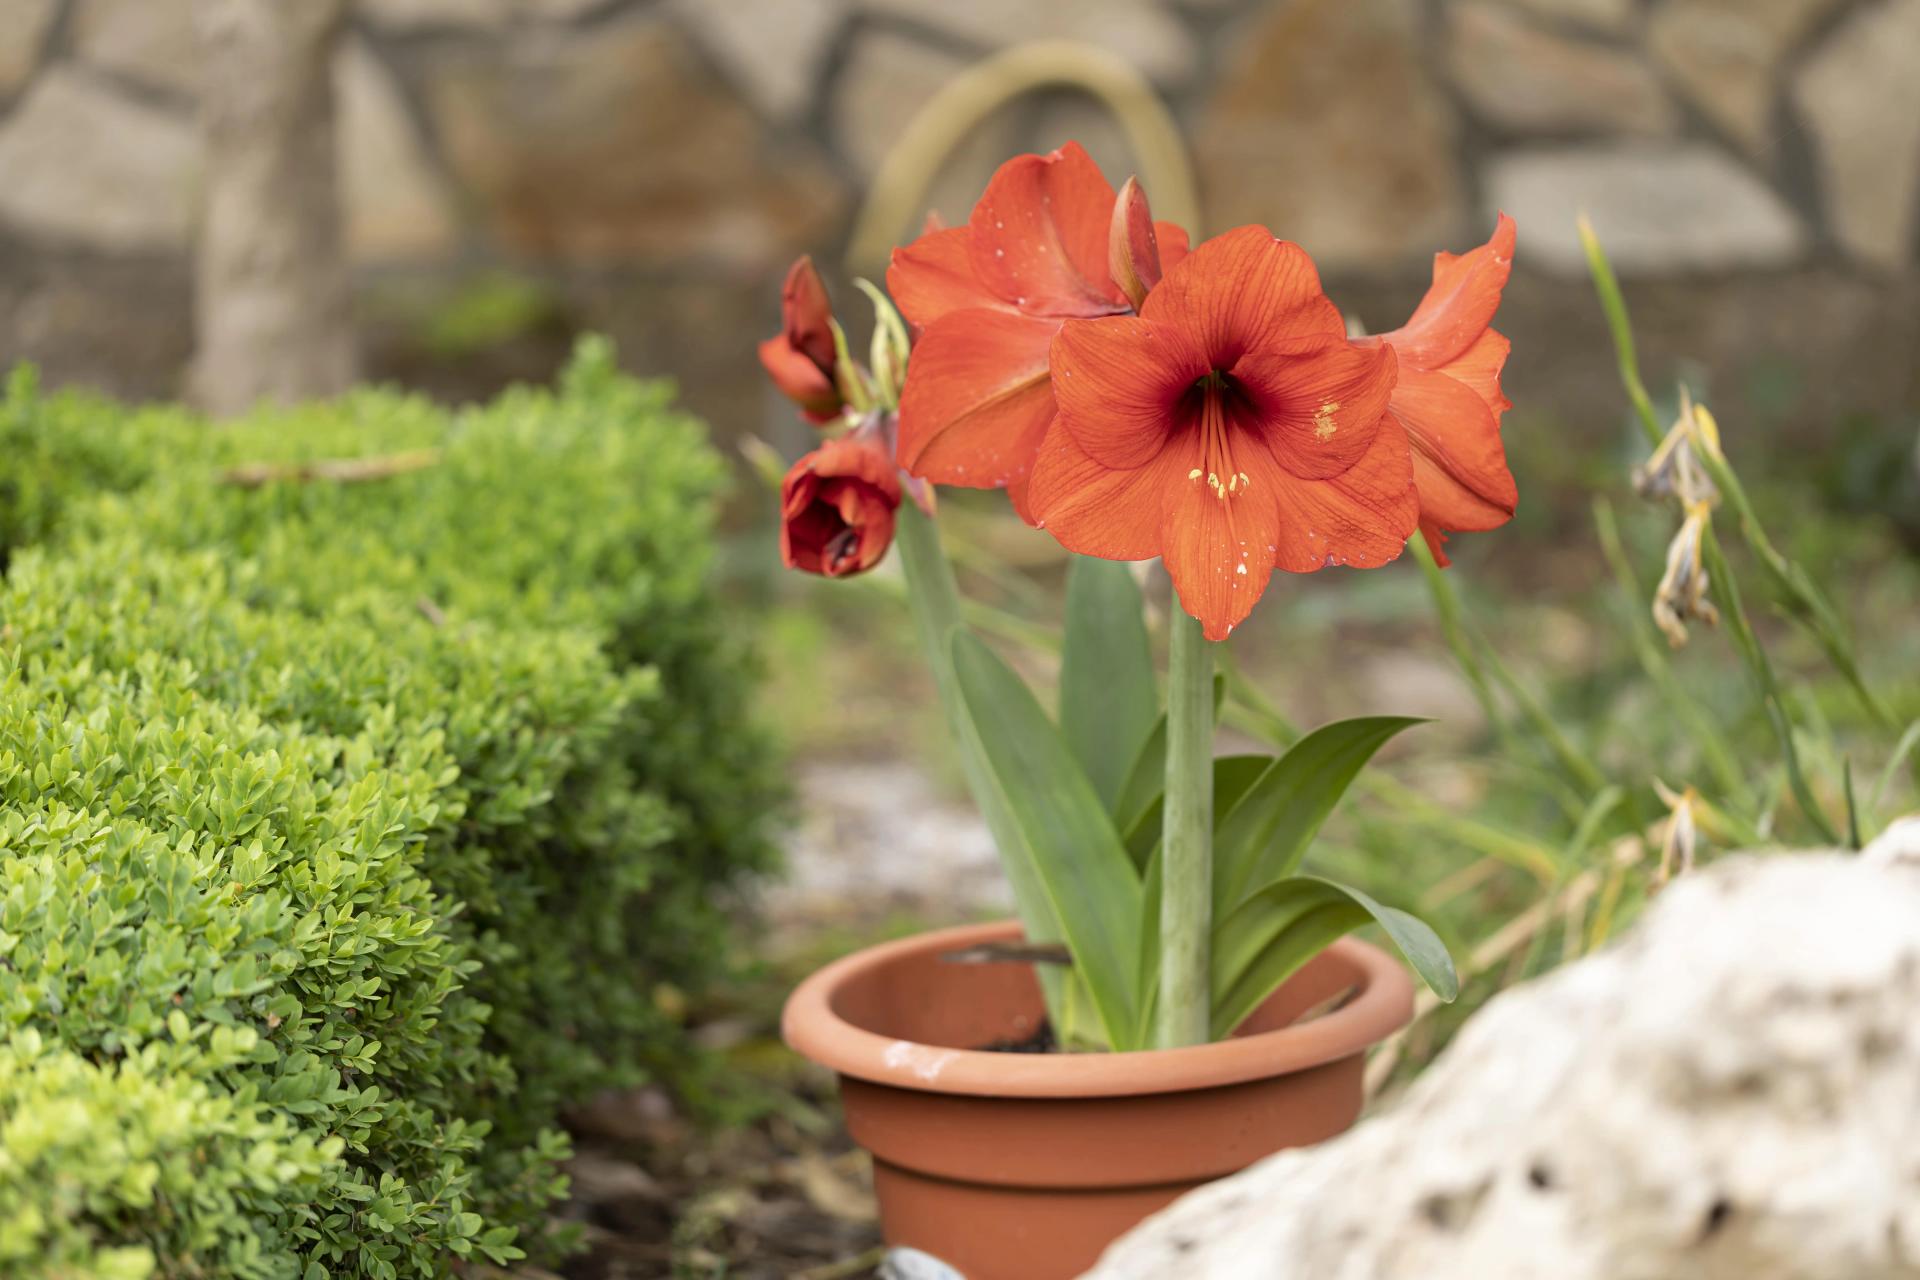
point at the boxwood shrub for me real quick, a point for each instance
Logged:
(347, 831)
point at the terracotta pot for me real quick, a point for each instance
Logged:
(1024, 1166)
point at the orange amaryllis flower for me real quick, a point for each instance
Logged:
(987, 300)
(800, 358)
(1448, 396)
(837, 506)
(1229, 429)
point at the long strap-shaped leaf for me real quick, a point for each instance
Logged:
(1264, 836)
(1057, 826)
(1286, 923)
(1108, 702)
(934, 600)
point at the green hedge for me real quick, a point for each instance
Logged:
(348, 830)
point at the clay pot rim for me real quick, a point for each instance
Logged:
(813, 1029)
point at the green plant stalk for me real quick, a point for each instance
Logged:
(1186, 898)
(1447, 605)
(1796, 591)
(1620, 325)
(1584, 773)
(1726, 592)
(1713, 748)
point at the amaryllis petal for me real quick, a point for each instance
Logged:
(1133, 244)
(837, 506)
(1117, 382)
(1321, 402)
(977, 399)
(934, 275)
(806, 315)
(1039, 235)
(1461, 302)
(1218, 544)
(1173, 244)
(1479, 366)
(1362, 517)
(1460, 466)
(1243, 291)
(1093, 509)
(800, 379)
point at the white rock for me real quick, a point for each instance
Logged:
(398, 207)
(1723, 54)
(1732, 1092)
(879, 834)
(86, 166)
(151, 41)
(1153, 40)
(21, 35)
(1607, 15)
(1523, 77)
(1899, 843)
(1656, 208)
(1861, 97)
(771, 49)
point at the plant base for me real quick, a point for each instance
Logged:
(1025, 1166)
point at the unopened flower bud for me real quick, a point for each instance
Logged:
(1133, 247)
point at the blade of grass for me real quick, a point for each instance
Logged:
(1726, 591)
(1713, 747)
(1620, 325)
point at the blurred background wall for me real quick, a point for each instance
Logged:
(515, 171)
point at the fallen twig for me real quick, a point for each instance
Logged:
(252, 475)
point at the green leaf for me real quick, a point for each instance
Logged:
(1147, 779)
(1232, 776)
(1288, 922)
(1108, 698)
(1058, 826)
(1264, 836)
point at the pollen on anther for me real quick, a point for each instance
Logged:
(1194, 474)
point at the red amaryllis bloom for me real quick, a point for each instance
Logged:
(837, 506)
(1448, 396)
(800, 358)
(1230, 429)
(987, 299)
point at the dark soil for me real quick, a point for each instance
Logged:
(1041, 1041)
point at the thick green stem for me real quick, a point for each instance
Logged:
(1186, 867)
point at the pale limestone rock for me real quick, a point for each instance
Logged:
(1731, 1092)
(772, 49)
(1140, 31)
(415, 14)
(615, 141)
(1898, 845)
(1523, 77)
(1325, 129)
(397, 205)
(21, 35)
(86, 166)
(1657, 209)
(1724, 54)
(1860, 96)
(150, 41)
(1605, 15)
(888, 78)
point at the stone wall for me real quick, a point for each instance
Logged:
(515, 170)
